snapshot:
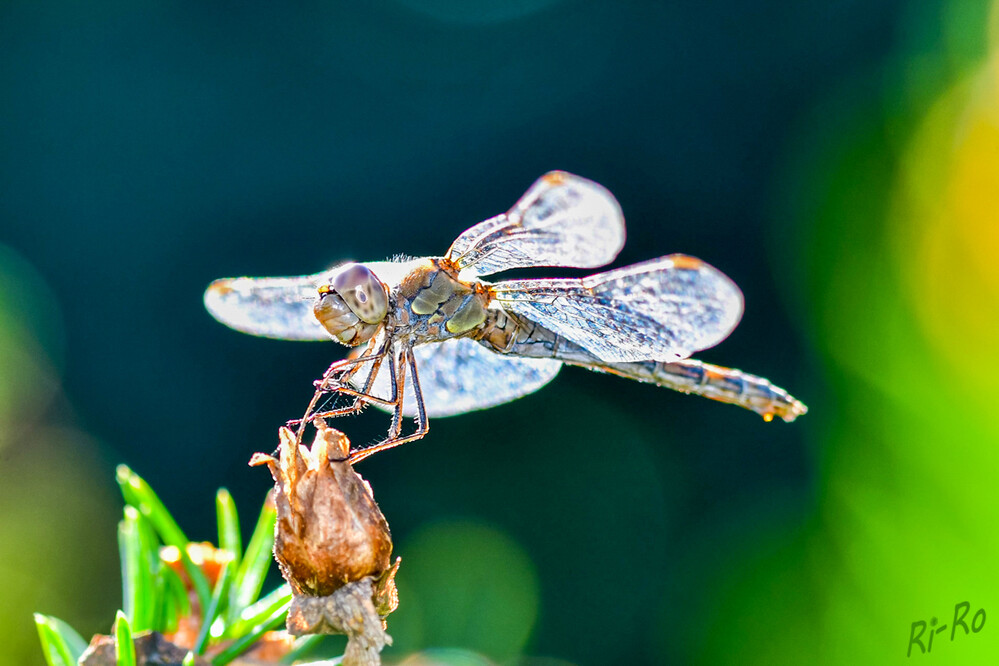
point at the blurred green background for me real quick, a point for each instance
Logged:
(840, 161)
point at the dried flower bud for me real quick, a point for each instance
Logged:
(357, 609)
(329, 529)
(332, 544)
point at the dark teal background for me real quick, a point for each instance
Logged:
(147, 148)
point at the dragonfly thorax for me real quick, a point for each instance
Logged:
(432, 304)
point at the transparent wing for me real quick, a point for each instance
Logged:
(663, 310)
(460, 375)
(563, 220)
(270, 307)
(281, 307)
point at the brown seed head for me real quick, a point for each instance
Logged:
(329, 530)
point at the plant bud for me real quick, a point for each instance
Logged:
(329, 530)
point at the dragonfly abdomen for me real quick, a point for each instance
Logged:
(715, 382)
(508, 333)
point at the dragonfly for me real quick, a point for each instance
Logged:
(432, 338)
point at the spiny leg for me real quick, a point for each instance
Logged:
(347, 368)
(361, 397)
(422, 424)
(364, 395)
(398, 390)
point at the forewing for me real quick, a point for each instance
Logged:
(663, 310)
(281, 307)
(563, 220)
(460, 375)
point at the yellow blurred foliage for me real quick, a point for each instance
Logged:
(948, 221)
(57, 548)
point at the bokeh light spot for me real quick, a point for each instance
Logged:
(466, 585)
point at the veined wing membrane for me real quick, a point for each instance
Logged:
(460, 375)
(278, 307)
(563, 220)
(663, 310)
(281, 307)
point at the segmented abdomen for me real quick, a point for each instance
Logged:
(510, 334)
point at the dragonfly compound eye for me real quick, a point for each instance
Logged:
(335, 316)
(363, 293)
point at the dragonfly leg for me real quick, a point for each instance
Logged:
(398, 391)
(343, 370)
(346, 368)
(361, 397)
(422, 424)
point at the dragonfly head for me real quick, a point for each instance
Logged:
(352, 305)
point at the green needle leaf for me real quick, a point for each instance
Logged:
(139, 494)
(188, 659)
(128, 553)
(256, 561)
(177, 593)
(259, 611)
(124, 646)
(61, 645)
(218, 598)
(138, 586)
(149, 547)
(228, 520)
(166, 614)
(240, 645)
